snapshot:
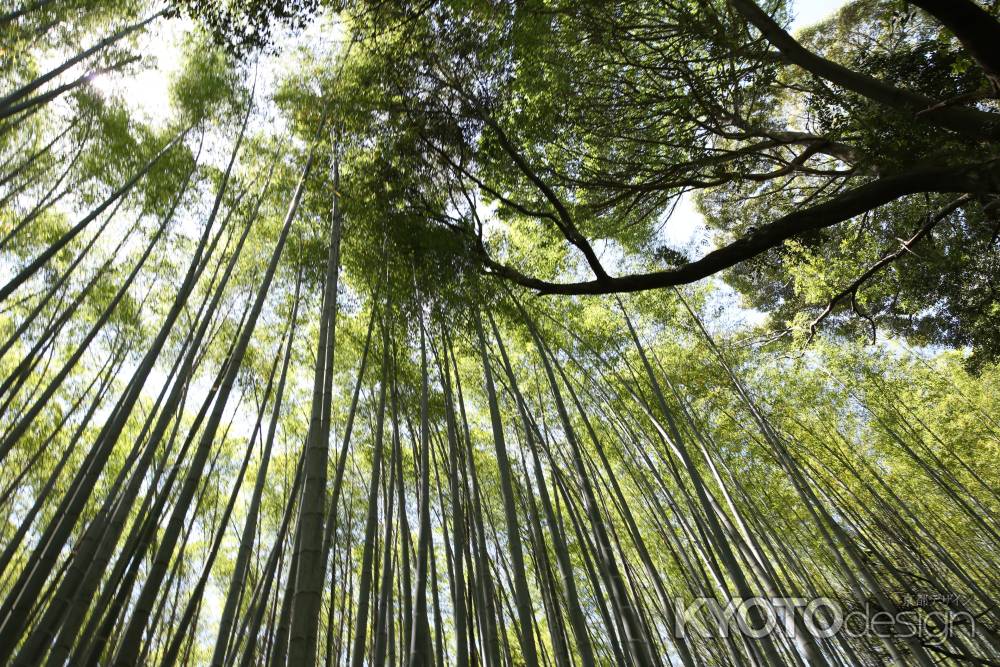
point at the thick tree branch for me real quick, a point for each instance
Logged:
(976, 178)
(968, 122)
(976, 29)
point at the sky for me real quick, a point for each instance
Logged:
(808, 12)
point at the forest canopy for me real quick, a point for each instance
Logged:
(503, 332)
(818, 160)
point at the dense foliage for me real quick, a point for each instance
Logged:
(818, 162)
(352, 333)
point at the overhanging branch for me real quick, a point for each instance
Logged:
(904, 247)
(968, 122)
(976, 29)
(976, 178)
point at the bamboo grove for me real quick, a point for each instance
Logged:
(261, 405)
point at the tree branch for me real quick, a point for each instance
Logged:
(564, 221)
(969, 122)
(976, 29)
(905, 246)
(975, 178)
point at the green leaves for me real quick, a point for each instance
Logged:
(458, 138)
(207, 83)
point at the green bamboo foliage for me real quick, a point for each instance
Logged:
(254, 411)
